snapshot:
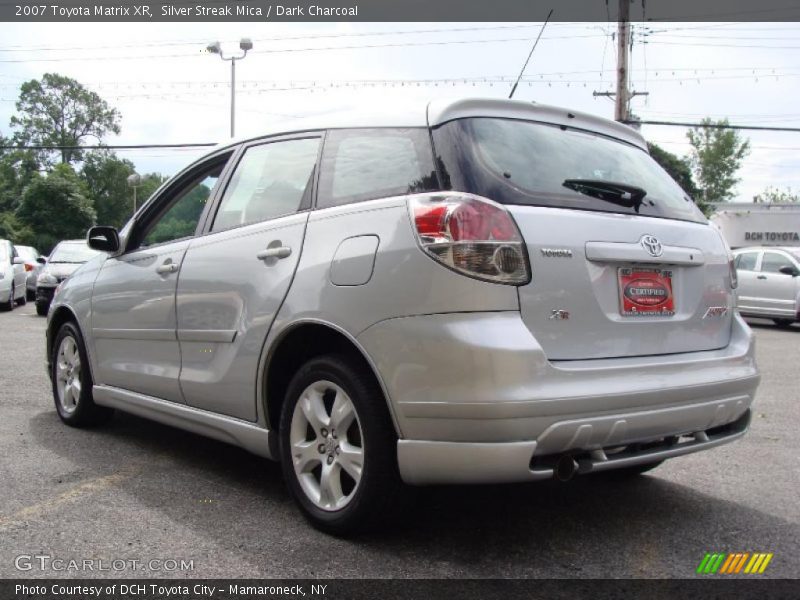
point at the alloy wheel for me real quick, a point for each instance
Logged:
(326, 445)
(68, 374)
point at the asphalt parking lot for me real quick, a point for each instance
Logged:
(136, 490)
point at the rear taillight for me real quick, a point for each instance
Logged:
(28, 268)
(472, 235)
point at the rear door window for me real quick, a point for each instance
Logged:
(270, 181)
(365, 164)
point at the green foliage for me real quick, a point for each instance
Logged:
(717, 154)
(16, 169)
(59, 111)
(182, 218)
(679, 168)
(106, 178)
(773, 194)
(12, 229)
(56, 208)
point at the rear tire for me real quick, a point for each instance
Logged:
(42, 308)
(783, 323)
(339, 447)
(72, 380)
(30, 296)
(22, 300)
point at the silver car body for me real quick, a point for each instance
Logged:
(763, 290)
(10, 273)
(482, 383)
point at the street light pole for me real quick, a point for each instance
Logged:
(133, 181)
(244, 45)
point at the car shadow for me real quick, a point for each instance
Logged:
(768, 324)
(592, 526)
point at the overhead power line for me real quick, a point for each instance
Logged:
(109, 147)
(713, 126)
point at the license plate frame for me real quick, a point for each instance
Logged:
(645, 292)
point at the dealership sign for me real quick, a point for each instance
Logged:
(772, 236)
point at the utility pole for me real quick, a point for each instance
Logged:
(622, 106)
(623, 95)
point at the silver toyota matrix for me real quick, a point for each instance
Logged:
(473, 291)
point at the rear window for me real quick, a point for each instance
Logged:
(76, 252)
(27, 253)
(524, 162)
(365, 164)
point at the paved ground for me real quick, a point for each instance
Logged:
(138, 490)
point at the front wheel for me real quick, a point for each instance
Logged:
(72, 380)
(339, 447)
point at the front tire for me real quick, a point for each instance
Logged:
(339, 447)
(42, 308)
(72, 380)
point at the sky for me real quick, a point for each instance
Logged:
(169, 90)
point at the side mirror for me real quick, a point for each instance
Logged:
(787, 270)
(103, 239)
(18, 260)
(42, 260)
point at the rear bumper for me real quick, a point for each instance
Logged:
(423, 463)
(476, 399)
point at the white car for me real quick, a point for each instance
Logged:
(12, 277)
(769, 283)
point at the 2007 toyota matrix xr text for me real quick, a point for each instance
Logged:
(475, 291)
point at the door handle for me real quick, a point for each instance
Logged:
(167, 268)
(279, 252)
(761, 277)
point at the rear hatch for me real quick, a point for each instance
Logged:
(623, 263)
(597, 291)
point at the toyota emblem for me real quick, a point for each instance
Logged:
(652, 245)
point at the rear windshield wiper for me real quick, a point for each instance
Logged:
(610, 191)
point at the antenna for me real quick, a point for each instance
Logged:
(522, 72)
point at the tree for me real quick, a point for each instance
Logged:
(717, 154)
(106, 178)
(59, 111)
(776, 196)
(678, 168)
(56, 208)
(12, 229)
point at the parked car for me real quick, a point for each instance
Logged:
(33, 267)
(12, 277)
(62, 262)
(474, 291)
(769, 283)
